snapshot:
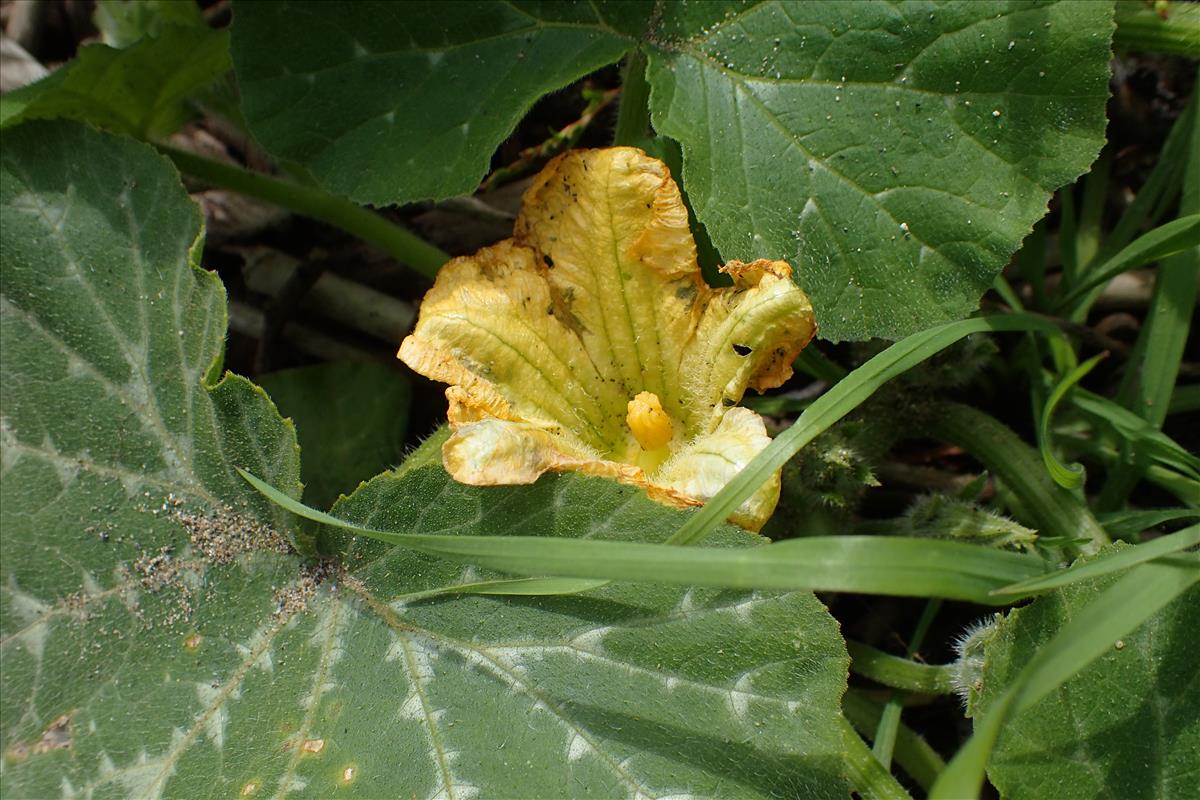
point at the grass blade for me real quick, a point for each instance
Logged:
(839, 401)
(1165, 240)
(1067, 477)
(1160, 188)
(1138, 432)
(871, 780)
(1147, 386)
(519, 587)
(1109, 562)
(913, 753)
(863, 564)
(1127, 524)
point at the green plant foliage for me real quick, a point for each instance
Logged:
(135, 560)
(350, 419)
(175, 622)
(897, 152)
(175, 647)
(386, 102)
(123, 22)
(141, 90)
(1126, 726)
(631, 688)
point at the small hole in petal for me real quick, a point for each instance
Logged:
(742, 350)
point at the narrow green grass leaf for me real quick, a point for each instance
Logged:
(1160, 188)
(1165, 240)
(913, 753)
(1102, 565)
(1137, 431)
(1115, 612)
(1002, 287)
(520, 587)
(1067, 477)
(1091, 212)
(871, 780)
(1126, 524)
(1185, 489)
(1147, 386)
(863, 564)
(1068, 229)
(839, 401)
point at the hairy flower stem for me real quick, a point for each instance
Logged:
(316, 204)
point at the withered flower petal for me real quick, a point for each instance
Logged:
(589, 341)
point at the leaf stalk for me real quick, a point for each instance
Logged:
(306, 201)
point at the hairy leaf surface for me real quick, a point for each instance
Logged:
(139, 572)
(627, 690)
(1128, 725)
(350, 419)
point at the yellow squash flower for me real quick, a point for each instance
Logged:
(589, 341)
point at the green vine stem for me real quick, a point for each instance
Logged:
(633, 113)
(1141, 27)
(309, 202)
(1056, 511)
(913, 753)
(870, 779)
(900, 673)
(889, 720)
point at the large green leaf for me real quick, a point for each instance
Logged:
(141, 90)
(898, 152)
(350, 418)
(627, 690)
(1126, 726)
(136, 564)
(393, 102)
(224, 665)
